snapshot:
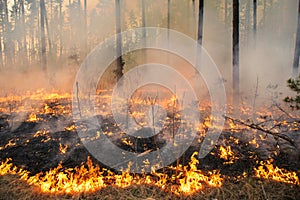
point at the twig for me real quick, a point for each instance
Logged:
(257, 127)
(282, 110)
(264, 192)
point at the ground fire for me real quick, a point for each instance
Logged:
(40, 146)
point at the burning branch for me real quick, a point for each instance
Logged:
(258, 127)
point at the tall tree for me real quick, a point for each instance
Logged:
(254, 19)
(297, 47)
(24, 33)
(226, 12)
(144, 29)
(61, 28)
(235, 51)
(119, 70)
(169, 18)
(85, 27)
(1, 32)
(43, 37)
(200, 22)
(7, 35)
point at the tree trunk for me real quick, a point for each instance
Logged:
(235, 52)
(119, 70)
(24, 32)
(226, 13)
(143, 19)
(1, 32)
(169, 18)
(85, 27)
(144, 29)
(43, 38)
(61, 29)
(200, 22)
(194, 15)
(48, 32)
(254, 19)
(297, 47)
(7, 36)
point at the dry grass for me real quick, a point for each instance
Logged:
(12, 188)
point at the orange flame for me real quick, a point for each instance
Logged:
(266, 170)
(89, 177)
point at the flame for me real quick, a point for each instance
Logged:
(71, 128)
(266, 170)
(63, 148)
(192, 179)
(254, 142)
(127, 142)
(89, 177)
(32, 118)
(227, 154)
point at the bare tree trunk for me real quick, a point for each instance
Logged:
(144, 29)
(85, 27)
(43, 37)
(169, 18)
(24, 32)
(1, 32)
(7, 37)
(297, 47)
(119, 70)
(143, 19)
(61, 29)
(48, 32)
(200, 22)
(235, 52)
(226, 12)
(254, 20)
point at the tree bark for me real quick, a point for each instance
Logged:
(297, 47)
(200, 22)
(119, 70)
(43, 37)
(235, 52)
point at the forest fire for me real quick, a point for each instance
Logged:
(182, 178)
(150, 100)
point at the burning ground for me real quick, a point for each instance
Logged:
(256, 157)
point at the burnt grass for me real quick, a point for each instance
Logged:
(41, 152)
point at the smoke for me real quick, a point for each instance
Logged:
(263, 63)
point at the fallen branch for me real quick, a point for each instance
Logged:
(257, 127)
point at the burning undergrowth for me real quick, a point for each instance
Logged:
(39, 144)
